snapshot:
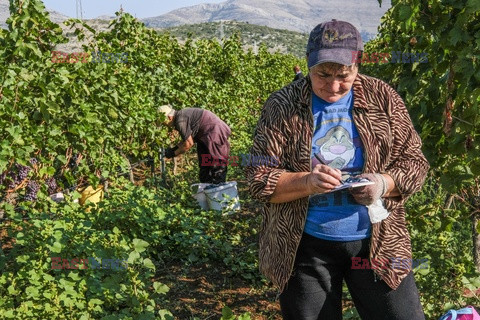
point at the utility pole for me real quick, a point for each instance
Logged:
(222, 33)
(78, 4)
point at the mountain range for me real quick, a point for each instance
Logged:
(294, 15)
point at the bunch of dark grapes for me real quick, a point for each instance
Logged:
(18, 175)
(51, 185)
(2, 177)
(32, 190)
(22, 171)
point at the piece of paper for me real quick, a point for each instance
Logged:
(347, 185)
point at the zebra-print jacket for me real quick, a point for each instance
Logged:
(392, 146)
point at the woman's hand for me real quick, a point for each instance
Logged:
(295, 185)
(323, 179)
(367, 195)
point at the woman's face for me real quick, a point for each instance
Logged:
(332, 81)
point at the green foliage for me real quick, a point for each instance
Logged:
(444, 238)
(442, 94)
(32, 288)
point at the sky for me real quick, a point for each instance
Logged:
(138, 8)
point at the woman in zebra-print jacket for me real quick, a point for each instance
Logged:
(296, 250)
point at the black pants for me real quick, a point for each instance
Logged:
(314, 290)
(210, 174)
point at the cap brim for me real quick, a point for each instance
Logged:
(342, 56)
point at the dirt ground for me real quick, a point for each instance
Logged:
(202, 291)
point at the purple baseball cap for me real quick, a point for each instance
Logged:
(333, 41)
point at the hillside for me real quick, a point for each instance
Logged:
(252, 36)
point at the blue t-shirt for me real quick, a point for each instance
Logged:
(336, 215)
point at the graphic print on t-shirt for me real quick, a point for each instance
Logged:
(336, 142)
(336, 148)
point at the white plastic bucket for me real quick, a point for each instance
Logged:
(199, 195)
(223, 197)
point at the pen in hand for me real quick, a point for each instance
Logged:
(345, 174)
